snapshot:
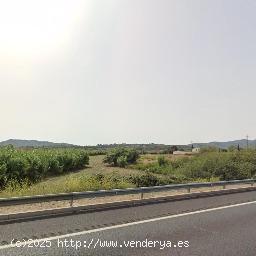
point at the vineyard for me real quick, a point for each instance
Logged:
(32, 165)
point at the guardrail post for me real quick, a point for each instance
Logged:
(72, 201)
(70, 198)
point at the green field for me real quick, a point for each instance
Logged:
(148, 170)
(94, 177)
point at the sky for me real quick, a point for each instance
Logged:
(127, 71)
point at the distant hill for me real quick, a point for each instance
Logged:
(33, 143)
(151, 147)
(242, 143)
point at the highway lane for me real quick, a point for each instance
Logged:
(229, 230)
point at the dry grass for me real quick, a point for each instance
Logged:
(96, 166)
(83, 180)
(148, 158)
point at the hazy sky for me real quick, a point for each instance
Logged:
(135, 71)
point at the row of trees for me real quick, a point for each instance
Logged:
(33, 165)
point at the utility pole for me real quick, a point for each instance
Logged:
(192, 146)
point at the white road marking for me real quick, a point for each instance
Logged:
(127, 225)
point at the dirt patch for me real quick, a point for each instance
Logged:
(148, 159)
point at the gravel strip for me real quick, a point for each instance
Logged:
(99, 200)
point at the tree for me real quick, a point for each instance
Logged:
(232, 148)
(121, 157)
(173, 148)
(162, 161)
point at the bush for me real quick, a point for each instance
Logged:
(225, 166)
(146, 180)
(206, 166)
(150, 180)
(162, 161)
(121, 157)
(3, 176)
(122, 161)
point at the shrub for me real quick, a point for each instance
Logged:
(122, 161)
(162, 161)
(121, 157)
(206, 166)
(225, 166)
(3, 176)
(145, 180)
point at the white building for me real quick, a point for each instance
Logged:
(196, 150)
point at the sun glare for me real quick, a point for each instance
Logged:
(31, 28)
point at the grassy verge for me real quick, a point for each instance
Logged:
(213, 165)
(95, 177)
(150, 170)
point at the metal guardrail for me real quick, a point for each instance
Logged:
(102, 193)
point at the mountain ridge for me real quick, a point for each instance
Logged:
(33, 143)
(226, 144)
(18, 143)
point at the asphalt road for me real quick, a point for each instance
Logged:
(226, 227)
